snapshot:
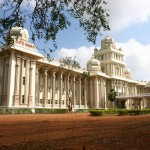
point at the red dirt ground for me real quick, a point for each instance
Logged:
(76, 131)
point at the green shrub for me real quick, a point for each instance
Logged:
(111, 111)
(96, 112)
(1, 111)
(51, 110)
(123, 112)
(19, 111)
(145, 111)
(134, 112)
(82, 110)
(120, 112)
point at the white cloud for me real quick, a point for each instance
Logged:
(82, 54)
(124, 13)
(137, 58)
(28, 4)
(1, 1)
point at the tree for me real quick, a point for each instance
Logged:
(112, 95)
(48, 17)
(70, 62)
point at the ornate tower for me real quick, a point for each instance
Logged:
(110, 57)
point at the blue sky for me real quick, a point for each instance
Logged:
(130, 27)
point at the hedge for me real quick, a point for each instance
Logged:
(96, 112)
(51, 111)
(37, 110)
(82, 110)
(19, 111)
(120, 112)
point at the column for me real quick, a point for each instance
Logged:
(79, 94)
(37, 87)
(73, 93)
(91, 93)
(26, 82)
(45, 88)
(30, 97)
(85, 92)
(53, 88)
(17, 80)
(21, 79)
(105, 96)
(67, 90)
(60, 89)
(5, 82)
(96, 93)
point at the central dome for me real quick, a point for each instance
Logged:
(93, 64)
(20, 33)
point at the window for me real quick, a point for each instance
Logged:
(103, 69)
(63, 90)
(63, 78)
(40, 101)
(24, 80)
(24, 63)
(83, 92)
(56, 78)
(48, 101)
(22, 99)
(41, 74)
(49, 76)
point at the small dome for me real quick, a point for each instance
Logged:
(93, 64)
(20, 33)
(127, 73)
(95, 50)
(148, 84)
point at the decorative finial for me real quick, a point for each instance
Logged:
(107, 34)
(93, 57)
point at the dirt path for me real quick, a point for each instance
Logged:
(74, 132)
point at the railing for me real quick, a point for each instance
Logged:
(134, 96)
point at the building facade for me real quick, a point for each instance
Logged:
(30, 80)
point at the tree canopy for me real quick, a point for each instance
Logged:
(70, 62)
(47, 17)
(112, 95)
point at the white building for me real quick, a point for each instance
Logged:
(30, 80)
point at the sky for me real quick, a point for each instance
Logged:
(129, 21)
(130, 27)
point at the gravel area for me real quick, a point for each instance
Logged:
(74, 131)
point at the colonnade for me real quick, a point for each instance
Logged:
(37, 85)
(97, 92)
(58, 88)
(24, 82)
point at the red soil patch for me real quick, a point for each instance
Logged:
(74, 132)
